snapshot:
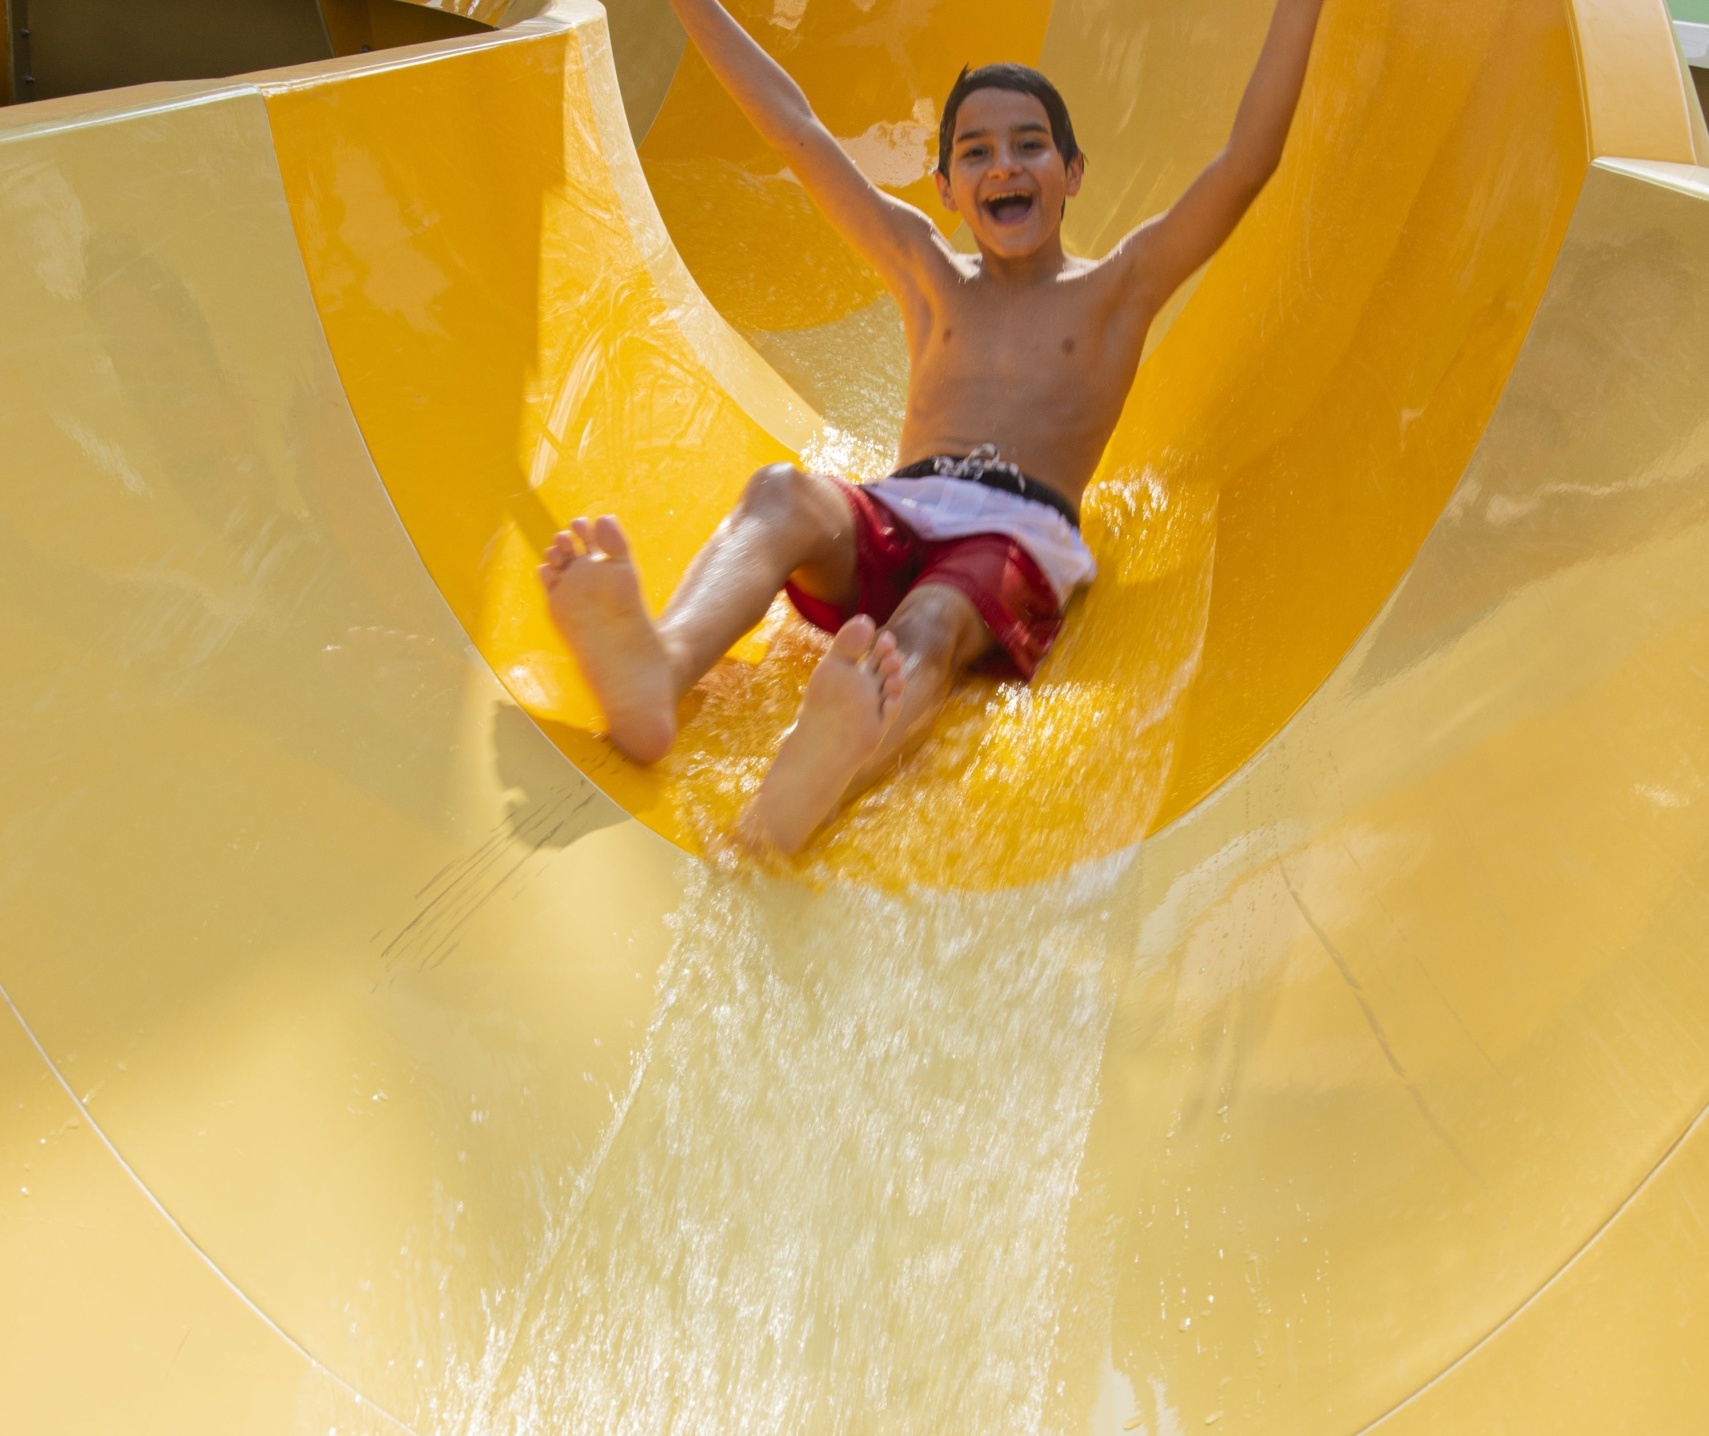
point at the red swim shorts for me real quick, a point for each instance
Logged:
(998, 576)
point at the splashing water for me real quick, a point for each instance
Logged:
(1017, 781)
(838, 1199)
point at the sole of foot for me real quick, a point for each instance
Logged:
(594, 596)
(850, 703)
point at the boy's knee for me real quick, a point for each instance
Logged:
(777, 491)
(801, 511)
(938, 625)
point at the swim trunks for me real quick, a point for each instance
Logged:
(926, 525)
(946, 498)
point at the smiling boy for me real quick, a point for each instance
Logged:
(1020, 359)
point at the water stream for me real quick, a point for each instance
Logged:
(838, 1196)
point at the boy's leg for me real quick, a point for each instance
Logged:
(871, 697)
(786, 524)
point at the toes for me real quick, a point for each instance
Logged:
(854, 639)
(890, 689)
(610, 537)
(549, 573)
(886, 663)
(586, 536)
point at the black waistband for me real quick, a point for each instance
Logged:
(994, 474)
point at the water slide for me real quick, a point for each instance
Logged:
(1290, 1015)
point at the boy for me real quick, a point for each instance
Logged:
(1020, 361)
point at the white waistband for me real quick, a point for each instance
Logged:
(939, 508)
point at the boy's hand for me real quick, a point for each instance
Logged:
(1163, 253)
(895, 238)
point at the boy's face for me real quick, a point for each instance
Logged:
(1006, 177)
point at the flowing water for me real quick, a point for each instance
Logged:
(837, 1197)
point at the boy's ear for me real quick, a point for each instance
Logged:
(944, 193)
(1076, 174)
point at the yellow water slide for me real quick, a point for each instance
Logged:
(1289, 1015)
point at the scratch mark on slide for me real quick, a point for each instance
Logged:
(1376, 1026)
(452, 898)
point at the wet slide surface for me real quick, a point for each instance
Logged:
(1288, 1016)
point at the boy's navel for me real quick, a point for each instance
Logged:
(1068, 346)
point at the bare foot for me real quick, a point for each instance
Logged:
(595, 599)
(851, 701)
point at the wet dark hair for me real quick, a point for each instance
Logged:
(1023, 80)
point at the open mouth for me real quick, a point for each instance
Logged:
(1009, 208)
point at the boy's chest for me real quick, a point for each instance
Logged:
(1058, 341)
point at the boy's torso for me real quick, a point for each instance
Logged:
(1040, 371)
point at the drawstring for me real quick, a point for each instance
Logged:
(983, 466)
(981, 460)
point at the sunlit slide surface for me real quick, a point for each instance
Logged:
(1289, 1015)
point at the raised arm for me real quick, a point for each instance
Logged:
(895, 238)
(1163, 252)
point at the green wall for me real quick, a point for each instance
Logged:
(1697, 10)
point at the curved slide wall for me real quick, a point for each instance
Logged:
(367, 1067)
(1253, 511)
